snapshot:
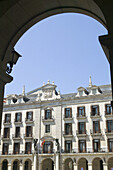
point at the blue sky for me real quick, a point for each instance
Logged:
(63, 48)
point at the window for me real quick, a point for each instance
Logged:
(94, 91)
(110, 145)
(82, 127)
(68, 112)
(82, 146)
(48, 147)
(81, 111)
(17, 132)
(68, 128)
(18, 117)
(96, 145)
(110, 125)
(7, 118)
(16, 148)
(5, 148)
(29, 116)
(28, 131)
(28, 147)
(47, 128)
(81, 93)
(94, 110)
(96, 127)
(68, 146)
(48, 114)
(108, 109)
(6, 132)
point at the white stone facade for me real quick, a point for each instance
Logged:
(73, 131)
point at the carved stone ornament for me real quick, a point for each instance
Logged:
(48, 93)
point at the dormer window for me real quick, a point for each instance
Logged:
(81, 93)
(94, 91)
(48, 114)
(68, 112)
(9, 101)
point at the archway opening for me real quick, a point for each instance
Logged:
(48, 164)
(97, 164)
(82, 164)
(69, 164)
(27, 165)
(5, 165)
(55, 45)
(16, 165)
(110, 163)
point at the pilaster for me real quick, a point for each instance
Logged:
(89, 166)
(9, 166)
(75, 166)
(105, 167)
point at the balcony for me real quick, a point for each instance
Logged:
(81, 133)
(68, 118)
(108, 114)
(17, 122)
(81, 116)
(51, 119)
(95, 115)
(29, 121)
(5, 138)
(97, 133)
(7, 123)
(16, 137)
(68, 135)
(28, 136)
(108, 133)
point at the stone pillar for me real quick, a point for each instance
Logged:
(90, 166)
(75, 166)
(63, 166)
(40, 166)
(105, 167)
(4, 78)
(9, 166)
(32, 167)
(0, 166)
(107, 45)
(21, 167)
(57, 161)
(35, 157)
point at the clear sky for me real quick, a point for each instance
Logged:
(63, 48)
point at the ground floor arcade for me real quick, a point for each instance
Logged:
(102, 161)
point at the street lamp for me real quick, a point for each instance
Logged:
(13, 60)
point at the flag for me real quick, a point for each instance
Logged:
(42, 142)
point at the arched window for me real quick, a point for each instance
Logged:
(27, 165)
(15, 165)
(5, 165)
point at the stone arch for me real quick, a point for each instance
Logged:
(48, 164)
(82, 163)
(68, 164)
(40, 12)
(27, 164)
(97, 163)
(5, 164)
(110, 163)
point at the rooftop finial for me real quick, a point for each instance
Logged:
(43, 83)
(48, 81)
(53, 82)
(23, 92)
(90, 81)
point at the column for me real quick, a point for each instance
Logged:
(35, 156)
(89, 166)
(32, 167)
(57, 161)
(107, 45)
(21, 167)
(40, 166)
(4, 78)
(105, 167)
(75, 166)
(63, 166)
(0, 166)
(9, 166)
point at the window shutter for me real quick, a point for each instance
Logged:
(108, 145)
(77, 111)
(32, 116)
(85, 145)
(106, 125)
(98, 108)
(99, 126)
(65, 112)
(51, 114)
(70, 112)
(85, 127)
(84, 111)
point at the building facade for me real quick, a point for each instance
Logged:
(46, 130)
